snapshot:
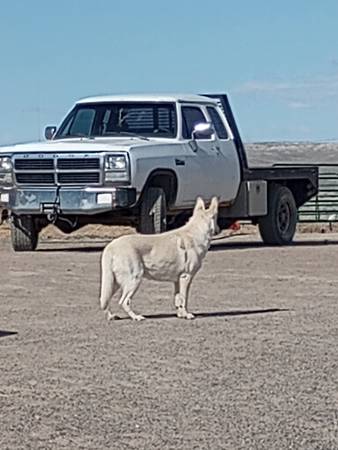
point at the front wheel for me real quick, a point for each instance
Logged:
(278, 227)
(153, 212)
(24, 233)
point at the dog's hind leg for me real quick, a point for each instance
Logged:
(108, 282)
(182, 288)
(128, 290)
(177, 298)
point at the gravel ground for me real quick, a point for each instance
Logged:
(257, 369)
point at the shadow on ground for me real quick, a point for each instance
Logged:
(61, 247)
(217, 245)
(206, 315)
(7, 333)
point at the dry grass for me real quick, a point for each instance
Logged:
(105, 232)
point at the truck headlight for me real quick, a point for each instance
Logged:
(5, 164)
(116, 168)
(6, 177)
(116, 162)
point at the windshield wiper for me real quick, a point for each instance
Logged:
(125, 133)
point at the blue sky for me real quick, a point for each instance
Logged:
(278, 61)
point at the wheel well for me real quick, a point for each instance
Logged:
(299, 188)
(165, 179)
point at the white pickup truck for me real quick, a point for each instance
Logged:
(142, 161)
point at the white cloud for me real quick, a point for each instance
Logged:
(262, 86)
(314, 92)
(294, 91)
(298, 105)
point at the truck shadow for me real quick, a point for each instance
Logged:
(7, 333)
(95, 247)
(219, 246)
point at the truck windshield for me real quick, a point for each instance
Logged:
(120, 119)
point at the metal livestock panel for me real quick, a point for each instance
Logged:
(324, 206)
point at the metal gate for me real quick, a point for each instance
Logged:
(324, 206)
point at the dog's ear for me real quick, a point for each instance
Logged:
(213, 208)
(199, 206)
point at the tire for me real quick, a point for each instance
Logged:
(24, 234)
(279, 226)
(153, 212)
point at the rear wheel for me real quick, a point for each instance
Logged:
(24, 233)
(279, 226)
(153, 212)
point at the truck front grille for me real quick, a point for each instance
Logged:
(78, 178)
(57, 170)
(78, 163)
(34, 164)
(35, 178)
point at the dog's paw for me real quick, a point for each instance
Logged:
(189, 316)
(138, 317)
(111, 316)
(183, 314)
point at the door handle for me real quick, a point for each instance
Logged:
(179, 162)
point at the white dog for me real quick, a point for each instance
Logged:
(173, 256)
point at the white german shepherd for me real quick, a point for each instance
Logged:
(174, 256)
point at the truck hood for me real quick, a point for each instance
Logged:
(79, 145)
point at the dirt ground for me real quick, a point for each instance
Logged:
(256, 369)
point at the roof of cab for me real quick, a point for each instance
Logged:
(182, 98)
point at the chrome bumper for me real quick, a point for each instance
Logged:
(86, 201)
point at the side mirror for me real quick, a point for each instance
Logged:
(49, 132)
(205, 130)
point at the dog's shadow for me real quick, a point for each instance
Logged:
(4, 333)
(207, 315)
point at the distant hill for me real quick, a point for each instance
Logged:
(267, 153)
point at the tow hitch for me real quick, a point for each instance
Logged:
(52, 210)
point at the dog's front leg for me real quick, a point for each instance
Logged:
(182, 288)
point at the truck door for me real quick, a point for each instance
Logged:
(230, 176)
(210, 170)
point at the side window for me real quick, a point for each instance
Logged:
(217, 123)
(191, 116)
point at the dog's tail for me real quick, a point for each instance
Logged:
(107, 279)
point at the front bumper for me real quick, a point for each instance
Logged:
(64, 200)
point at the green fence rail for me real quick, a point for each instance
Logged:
(324, 206)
